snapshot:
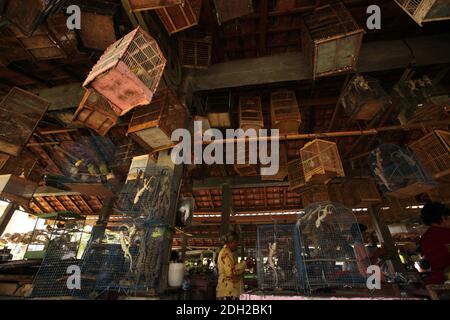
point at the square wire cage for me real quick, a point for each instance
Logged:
(330, 251)
(398, 172)
(61, 243)
(276, 258)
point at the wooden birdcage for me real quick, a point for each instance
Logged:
(142, 5)
(433, 152)
(315, 194)
(331, 40)
(361, 192)
(154, 123)
(25, 165)
(98, 30)
(49, 41)
(15, 189)
(20, 113)
(218, 106)
(431, 112)
(364, 98)
(27, 15)
(180, 17)
(284, 112)
(283, 167)
(95, 112)
(227, 10)
(195, 52)
(426, 10)
(247, 168)
(250, 113)
(395, 209)
(129, 71)
(321, 161)
(440, 193)
(296, 176)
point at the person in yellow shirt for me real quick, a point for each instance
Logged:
(230, 283)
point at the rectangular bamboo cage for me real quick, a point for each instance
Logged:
(142, 5)
(283, 167)
(433, 152)
(98, 29)
(315, 194)
(364, 98)
(180, 17)
(16, 189)
(250, 113)
(195, 52)
(155, 122)
(361, 192)
(95, 112)
(284, 112)
(50, 41)
(35, 14)
(426, 10)
(296, 176)
(331, 40)
(129, 72)
(227, 10)
(218, 106)
(246, 169)
(321, 161)
(20, 113)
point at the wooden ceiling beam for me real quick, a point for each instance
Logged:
(263, 22)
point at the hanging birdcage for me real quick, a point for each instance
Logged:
(284, 112)
(321, 161)
(250, 113)
(296, 175)
(195, 51)
(433, 152)
(218, 107)
(364, 98)
(276, 258)
(128, 72)
(180, 16)
(397, 171)
(332, 253)
(360, 192)
(58, 240)
(315, 194)
(282, 167)
(425, 10)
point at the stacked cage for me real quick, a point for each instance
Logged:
(330, 248)
(276, 258)
(134, 263)
(397, 172)
(58, 238)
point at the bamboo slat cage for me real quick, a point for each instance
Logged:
(283, 167)
(426, 10)
(49, 41)
(180, 17)
(331, 40)
(433, 152)
(364, 98)
(141, 5)
(321, 161)
(315, 194)
(284, 112)
(20, 113)
(431, 112)
(155, 122)
(218, 106)
(95, 112)
(296, 175)
(35, 14)
(129, 71)
(227, 10)
(195, 52)
(250, 113)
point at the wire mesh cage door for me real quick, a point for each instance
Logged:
(276, 258)
(63, 253)
(332, 250)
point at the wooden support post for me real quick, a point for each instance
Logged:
(98, 231)
(384, 236)
(6, 217)
(183, 247)
(227, 207)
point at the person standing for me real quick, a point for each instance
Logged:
(435, 242)
(230, 283)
